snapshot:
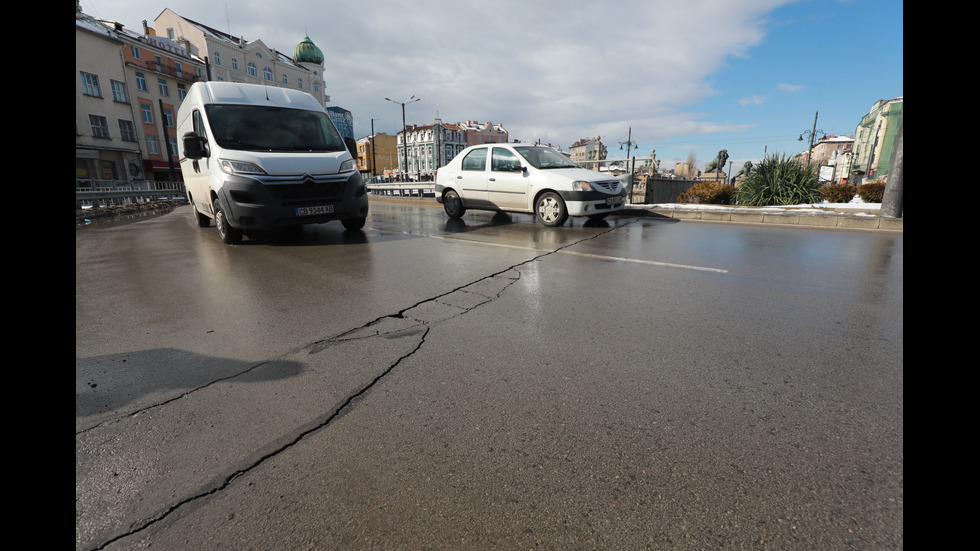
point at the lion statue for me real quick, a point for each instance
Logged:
(718, 164)
(746, 169)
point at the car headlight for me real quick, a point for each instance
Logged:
(581, 185)
(240, 167)
(347, 165)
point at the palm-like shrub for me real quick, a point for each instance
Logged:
(779, 181)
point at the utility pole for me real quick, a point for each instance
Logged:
(374, 168)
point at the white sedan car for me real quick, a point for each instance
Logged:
(525, 178)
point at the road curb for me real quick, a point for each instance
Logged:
(822, 218)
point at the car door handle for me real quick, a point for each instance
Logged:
(493, 179)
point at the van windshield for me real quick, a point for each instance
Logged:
(265, 128)
(545, 157)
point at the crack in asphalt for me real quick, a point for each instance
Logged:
(370, 329)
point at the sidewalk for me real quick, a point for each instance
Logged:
(846, 217)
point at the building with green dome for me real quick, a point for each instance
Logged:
(235, 59)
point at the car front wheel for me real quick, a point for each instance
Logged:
(550, 209)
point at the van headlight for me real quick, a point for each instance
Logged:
(347, 165)
(581, 185)
(240, 167)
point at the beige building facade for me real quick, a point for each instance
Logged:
(234, 59)
(107, 146)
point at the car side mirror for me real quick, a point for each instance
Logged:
(351, 146)
(195, 146)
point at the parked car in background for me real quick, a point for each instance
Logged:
(528, 179)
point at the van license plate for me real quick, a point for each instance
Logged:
(309, 211)
(614, 202)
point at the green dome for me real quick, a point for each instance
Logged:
(307, 52)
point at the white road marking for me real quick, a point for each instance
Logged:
(598, 256)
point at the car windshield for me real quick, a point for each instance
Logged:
(545, 157)
(264, 128)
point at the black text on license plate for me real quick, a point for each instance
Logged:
(310, 211)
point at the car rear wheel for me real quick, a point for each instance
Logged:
(550, 209)
(453, 204)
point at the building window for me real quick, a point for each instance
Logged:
(164, 89)
(135, 51)
(217, 58)
(127, 131)
(100, 126)
(253, 71)
(118, 91)
(299, 83)
(141, 82)
(147, 112)
(181, 91)
(168, 116)
(234, 63)
(316, 86)
(172, 144)
(267, 73)
(109, 170)
(90, 85)
(285, 79)
(179, 69)
(152, 146)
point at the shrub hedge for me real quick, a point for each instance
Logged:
(713, 193)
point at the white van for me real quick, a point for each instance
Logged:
(258, 157)
(526, 178)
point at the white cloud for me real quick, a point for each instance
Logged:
(790, 88)
(555, 71)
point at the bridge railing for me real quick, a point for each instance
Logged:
(95, 193)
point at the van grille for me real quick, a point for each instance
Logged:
(310, 189)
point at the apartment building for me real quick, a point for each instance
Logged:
(428, 148)
(478, 133)
(107, 146)
(587, 149)
(377, 155)
(875, 140)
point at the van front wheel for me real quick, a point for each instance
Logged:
(228, 234)
(550, 209)
(353, 224)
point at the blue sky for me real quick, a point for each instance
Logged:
(687, 77)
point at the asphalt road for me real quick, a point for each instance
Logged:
(491, 384)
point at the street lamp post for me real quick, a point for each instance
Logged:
(812, 133)
(412, 99)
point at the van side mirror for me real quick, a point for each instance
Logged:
(351, 146)
(195, 146)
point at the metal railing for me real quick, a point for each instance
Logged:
(408, 189)
(97, 193)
